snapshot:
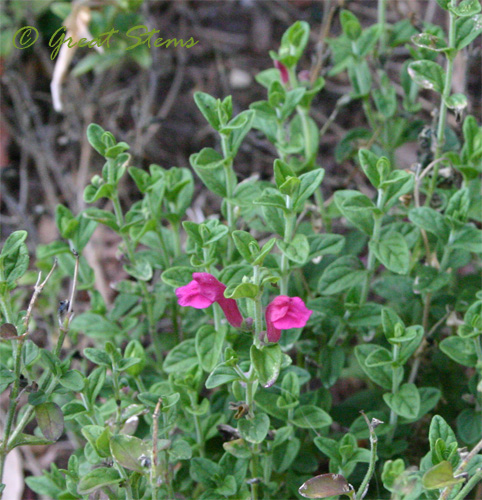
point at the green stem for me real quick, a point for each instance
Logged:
(395, 384)
(471, 483)
(289, 228)
(258, 313)
(177, 238)
(6, 308)
(305, 125)
(143, 285)
(12, 407)
(442, 119)
(254, 471)
(362, 491)
(197, 426)
(216, 307)
(382, 15)
(371, 260)
(228, 169)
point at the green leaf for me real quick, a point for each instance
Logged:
(439, 429)
(368, 162)
(97, 356)
(468, 238)
(293, 43)
(440, 476)
(429, 279)
(430, 220)
(177, 276)
(381, 375)
(469, 425)
(221, 375)
(204, 471)
(368, 315)
(360, 78)
(457, 102)
(180, 450)
(311, 417)
(242, 291)
(430, 42)
(467, 29)
(466, 8)
(28, 440)
(238, 448)
(13, 243)
(182, 357)
(350, 24)
(324, 244)
(357, 208)
(94, 136)
(326, 485)
(254, 430)
(128, 449)
(379, 357)
(102, 216)
(267, 363)
(345, 272)
(309, 184)
(461, 350)
(209, 344)
(244, 122)
(392, 252)
(95, 325)
(98, 478)
(141, 268)
(208, 106)
(50, 420)
(427, 74)
(271, 198)
(405, 402)
(73, 380)
(15, 262)
(247, 246)
(332, 361)
(209, 165)
(296, 250)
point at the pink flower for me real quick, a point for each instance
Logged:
(285, 78)
(283, 313)
(203, 291)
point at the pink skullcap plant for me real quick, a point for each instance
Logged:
(285, 78)
(203, 291)
(285, 312)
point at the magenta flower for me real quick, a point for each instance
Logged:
(203, 291)
(283, 313)
(285, 78)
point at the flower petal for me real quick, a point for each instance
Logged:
(190, 295)
(211, 287)
(231, 311)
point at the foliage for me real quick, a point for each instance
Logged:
(171, 400)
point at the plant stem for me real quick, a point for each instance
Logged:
(197, 425)
(382, 6)
(362, 491)
(17, 366)
(395, 384)
(228, 169)
(216, 307)
(258, 314)
(289, 227)
(473, 481)
(143, 285)
(254, 471)
(442, 119)
(371, 254)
